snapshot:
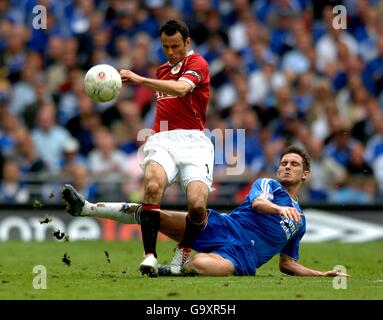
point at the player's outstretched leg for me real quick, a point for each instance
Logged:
(78, 206)
(74, 201)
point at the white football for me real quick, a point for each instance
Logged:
(102, 83)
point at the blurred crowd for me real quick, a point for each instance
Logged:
(285, 71)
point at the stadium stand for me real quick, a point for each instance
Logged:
(281, 70)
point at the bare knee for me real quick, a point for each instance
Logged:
(197, 213)
(208, 264)
(196, 208)
(197, 264)
(155, 181)
(197, 194)
(154, 188)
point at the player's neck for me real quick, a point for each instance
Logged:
(293, 191)
(188, 53)
(293, 195)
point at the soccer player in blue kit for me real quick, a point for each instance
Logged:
(267, 223)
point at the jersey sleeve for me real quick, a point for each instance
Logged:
(262, 188)
(196, 70)
(291, 249)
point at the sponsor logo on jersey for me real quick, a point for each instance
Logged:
(162, 95)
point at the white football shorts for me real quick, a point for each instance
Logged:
(185, 155)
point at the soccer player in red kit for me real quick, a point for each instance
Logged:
(178, 150)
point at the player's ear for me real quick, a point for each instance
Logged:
(187, 42)
(305, 175)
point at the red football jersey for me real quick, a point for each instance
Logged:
(189, 111)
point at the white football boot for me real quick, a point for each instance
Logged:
(176, 267)
(149, 266)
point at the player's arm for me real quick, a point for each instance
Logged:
(265, 206)
(171, 87)
(289, 266)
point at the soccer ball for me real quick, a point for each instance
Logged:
(102, 83)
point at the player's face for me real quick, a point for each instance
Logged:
(175, 48)
(290, 170)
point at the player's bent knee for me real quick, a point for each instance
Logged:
(210, 265)
(197, 214)
(154, 188)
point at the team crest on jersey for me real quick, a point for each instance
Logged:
(176, 68)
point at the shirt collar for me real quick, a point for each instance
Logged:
(188, 54)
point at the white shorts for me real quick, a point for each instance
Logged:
(185, 155)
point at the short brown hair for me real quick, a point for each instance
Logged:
(171, 27)
(299, 151)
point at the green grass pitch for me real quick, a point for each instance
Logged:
(91, 276)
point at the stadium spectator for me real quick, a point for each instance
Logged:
(357, 164)
(374, 149)
(223, 81)
(182, 87)
(84, 124)
(26, 154)
(245, 25)
(327, 46)
(80, 177)
(363, 129)
(9, 128)
(367, 32)
(323, 108)
(29, 115)
(15, 51)
(301, 57)
(259, 48)
(264, 83)
(329, 74)
(12, 188)
(196, 20)
(123, 47)
(269, 222)
(326, 174)
(352, 190)
(71, 157)
(126, 25)
(24, 92)
(126, 128)
(107, 164)
(340, 145)
(39, 37)
(105, 159)
(49, 137)
(373, 72)
(303, 96)
(58, 72)
(67, 107)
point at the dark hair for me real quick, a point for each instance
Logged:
(171, 27)
(301, 152)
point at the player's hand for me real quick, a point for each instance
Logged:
(336, 273)
(291, 213)
(130, 76)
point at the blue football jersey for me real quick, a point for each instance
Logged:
(269, 233)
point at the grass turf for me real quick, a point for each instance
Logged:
(91, 276)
